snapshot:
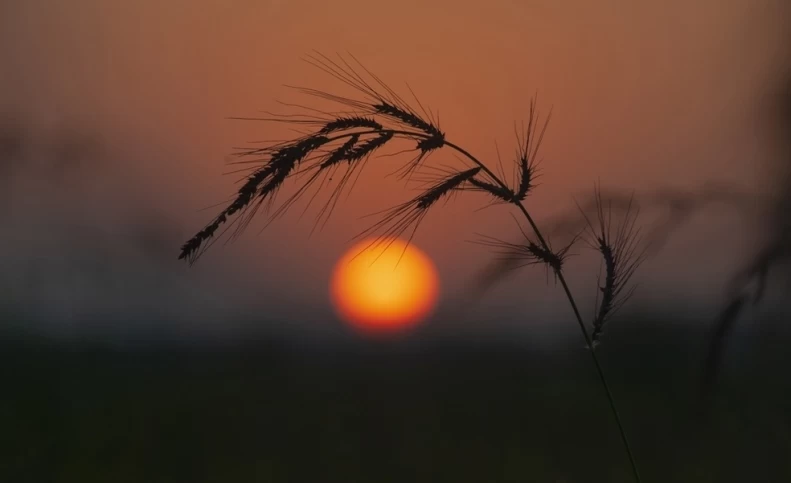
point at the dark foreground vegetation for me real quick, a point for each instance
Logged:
(434, 411)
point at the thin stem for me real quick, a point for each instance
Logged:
(545, 246)
(596, 362)
(573, 303)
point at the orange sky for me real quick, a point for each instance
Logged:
(645, 94)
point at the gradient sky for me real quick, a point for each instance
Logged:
(114, 138)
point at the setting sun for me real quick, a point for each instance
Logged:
(381, 288)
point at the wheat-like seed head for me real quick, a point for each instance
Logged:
(339, 154)
(500, 193)
(407, 117)
(379, 117)
(263, 183)
(621, 252)
(529, 142)
(346, 123)
(409, 214)
(528, 252)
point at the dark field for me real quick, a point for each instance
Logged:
(273, 411)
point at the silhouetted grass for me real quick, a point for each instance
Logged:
(380, 117)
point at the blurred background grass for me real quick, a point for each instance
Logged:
(415, 410)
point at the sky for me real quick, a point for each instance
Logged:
(114, 139)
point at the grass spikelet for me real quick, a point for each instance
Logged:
(354, 153)
(340, 154)
(441, 189)
(501, 193)
(356, 157)
(528, 144)
(619, 247)
(352, 122)
(261, 184)
(329, 162)
(408, 118)
(411, 213)
(369, 146)
(380, 99)
(528, 252)
(435, 138)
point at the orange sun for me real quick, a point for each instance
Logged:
(384, 287)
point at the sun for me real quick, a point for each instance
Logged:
(384, 287)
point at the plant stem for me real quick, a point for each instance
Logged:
(573, 303)
(596, 363)
(558, 273)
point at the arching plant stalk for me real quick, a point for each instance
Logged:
(344, 141)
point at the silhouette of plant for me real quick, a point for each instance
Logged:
(746, 287)
(344, 141)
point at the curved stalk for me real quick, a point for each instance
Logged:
(545, 246)
(574, 308)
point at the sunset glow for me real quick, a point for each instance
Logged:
(384, 288)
